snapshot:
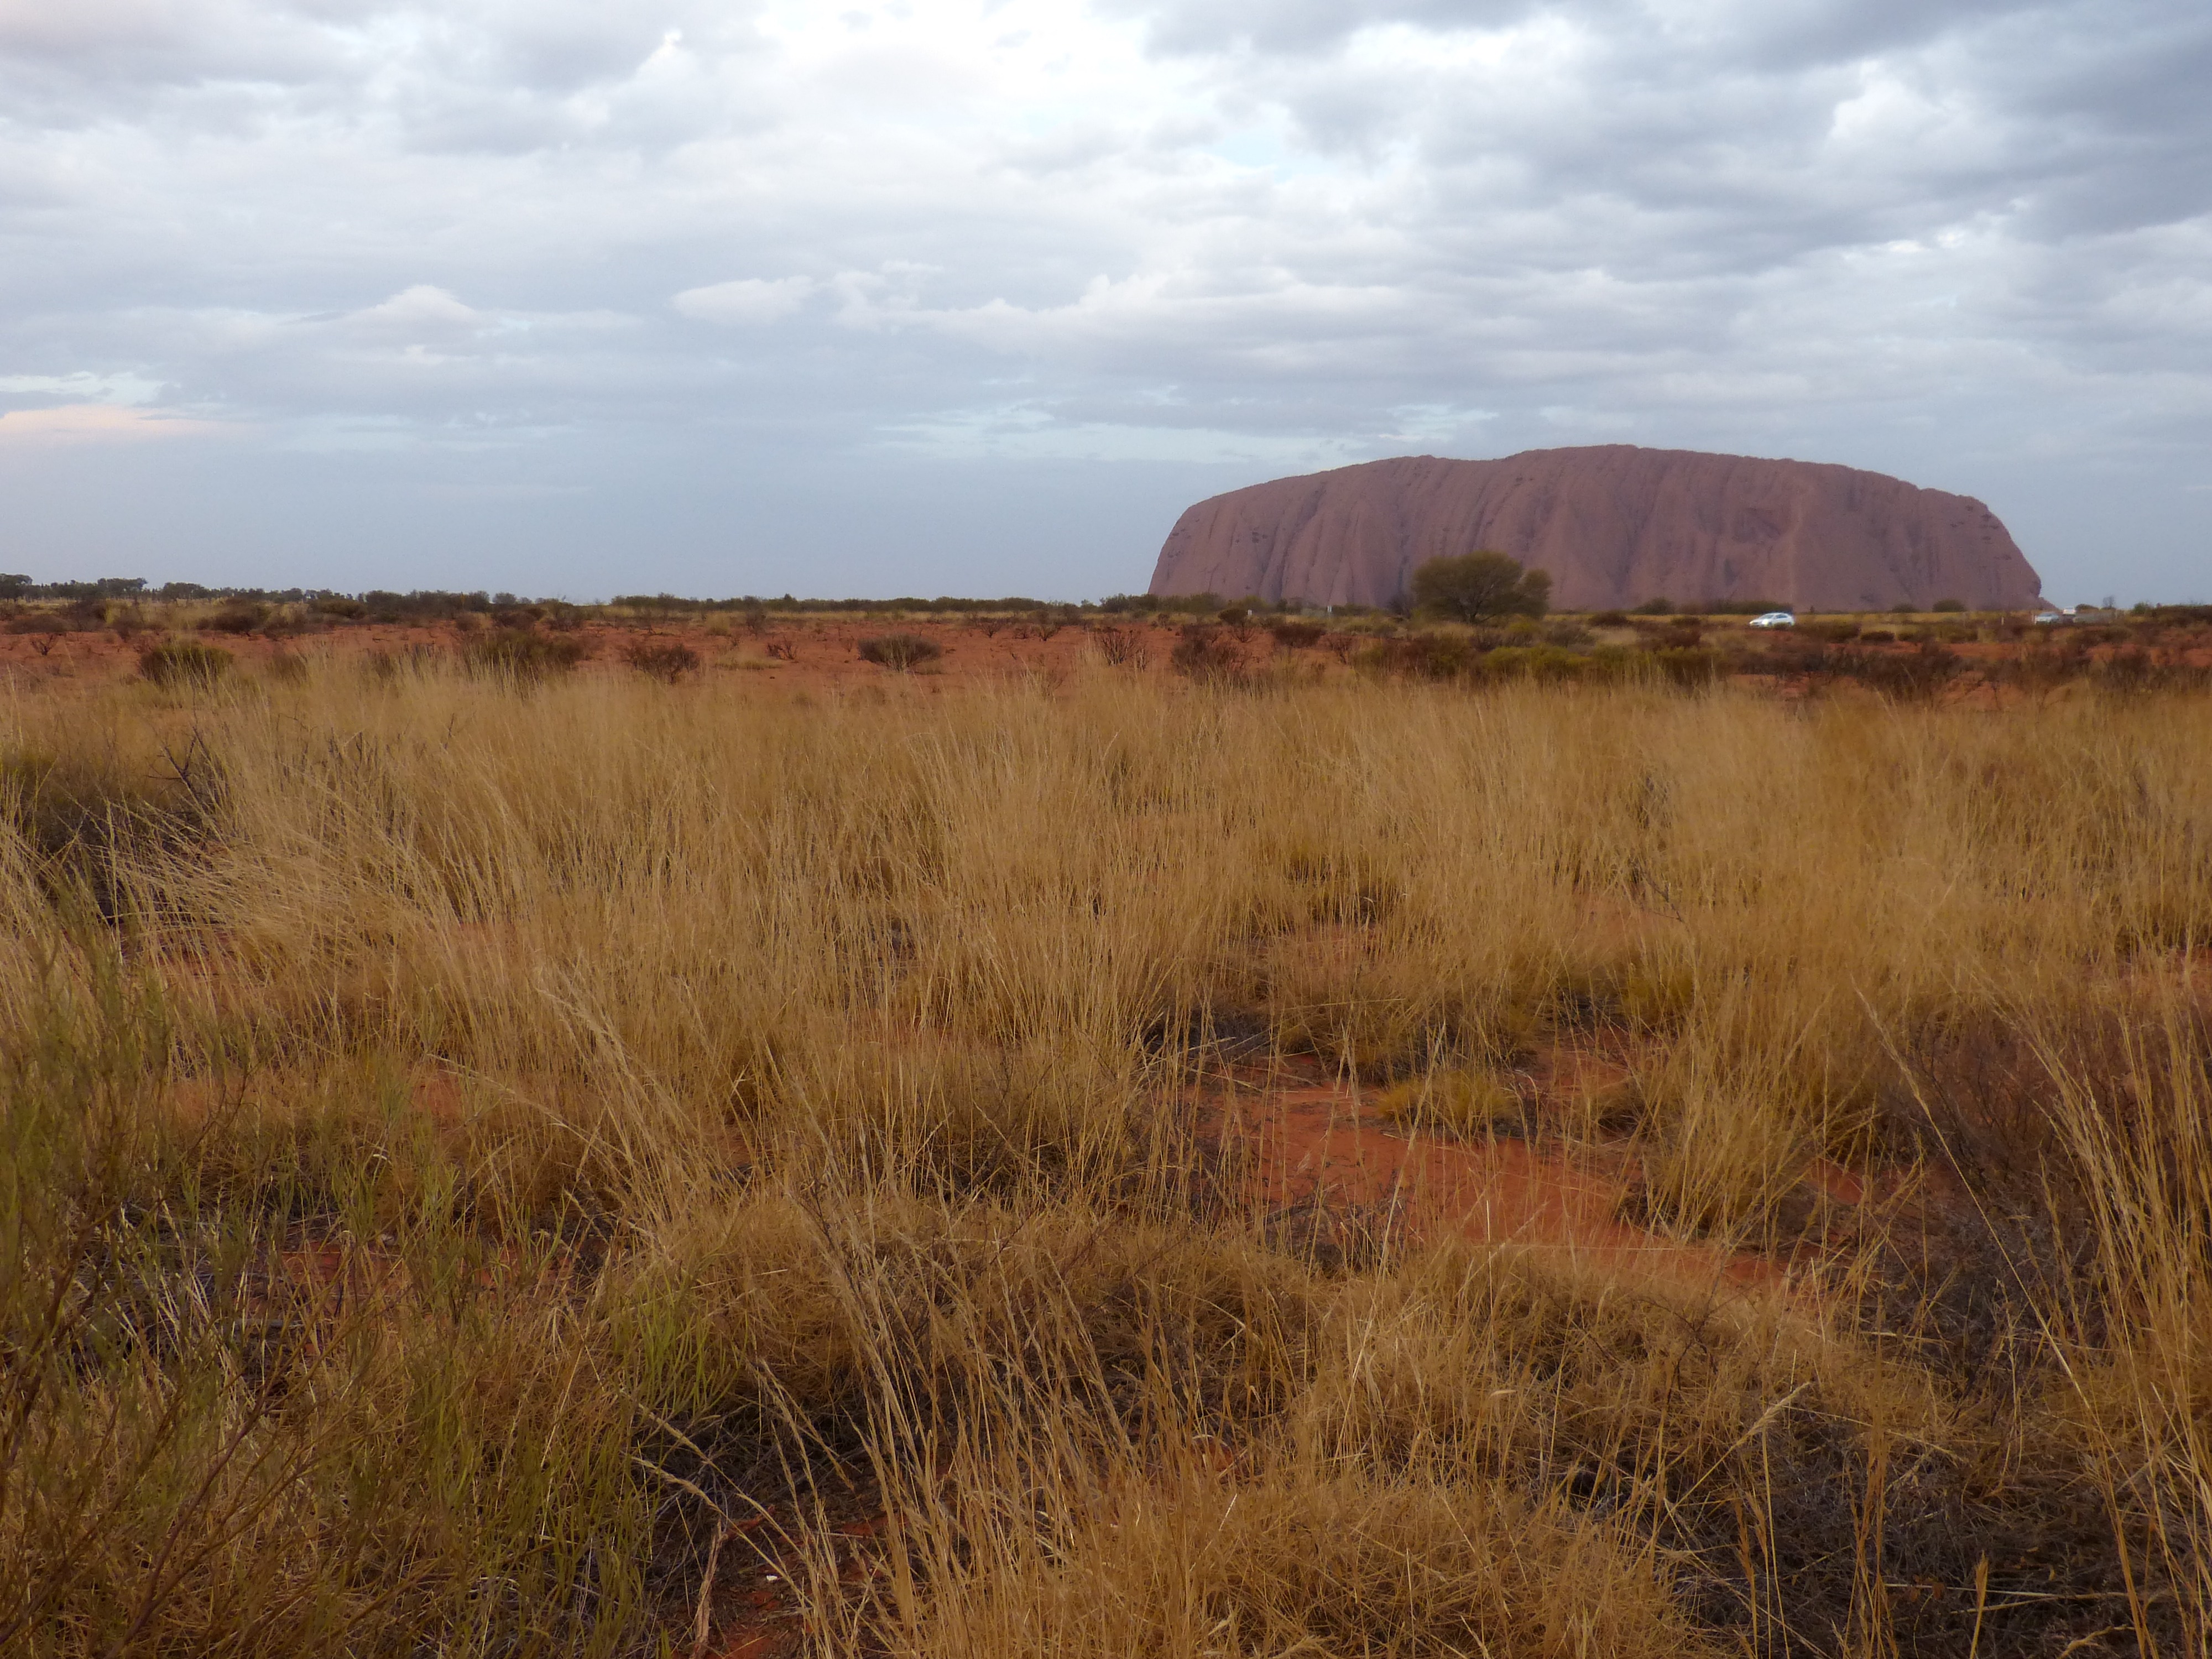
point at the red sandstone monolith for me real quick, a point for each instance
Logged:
(1614, 525)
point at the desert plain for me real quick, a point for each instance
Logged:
(1124, 1135)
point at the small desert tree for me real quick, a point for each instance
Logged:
(1478, 586)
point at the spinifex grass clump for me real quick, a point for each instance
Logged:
(524, 654)
(238, 618)
(184, 662)
(900, 651)
(1458, 1102)
(605, 1173)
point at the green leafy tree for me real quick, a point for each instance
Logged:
(1480, 586)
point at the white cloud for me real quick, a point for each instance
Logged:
(83, 385)
(1028, 433)
(748, 301)
(423, 308)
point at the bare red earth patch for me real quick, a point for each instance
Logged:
(1319, 1146)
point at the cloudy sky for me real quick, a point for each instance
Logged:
(580, 296)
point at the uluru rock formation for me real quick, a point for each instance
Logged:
(1614, 525)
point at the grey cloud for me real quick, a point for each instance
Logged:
(1783, 34)
(1305, 26)
(1775, 34)
(719, 273)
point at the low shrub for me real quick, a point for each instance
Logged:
(2133, 670)
(1610, 619)
(1483, 654)
(184, 662)
(1613, 665)
(523, 653)
(1686, 666)
(1806, 656)
(237, 619)
(1207, 652)
(1949, 607)
(667, 661)
(900, 651)
(1433, 656)
(1915, 676)
(1294, 635)
(1122, 647)
(1548, 665)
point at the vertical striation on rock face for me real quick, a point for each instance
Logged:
(1614, 525)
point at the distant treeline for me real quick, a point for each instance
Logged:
(1117, 605)
(438, 602)
(16, 586)
(381, 604)
(430, 604)
(942, 605)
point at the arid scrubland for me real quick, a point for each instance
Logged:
(603, 1167)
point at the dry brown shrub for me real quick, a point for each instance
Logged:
(666, 660)
(1122, 647)
(1208, 653)
(900, 651)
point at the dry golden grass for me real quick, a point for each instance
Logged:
(496, 1167)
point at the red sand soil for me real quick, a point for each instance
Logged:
(1319, 1146)
(808, 653)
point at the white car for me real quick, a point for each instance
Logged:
(2051, 619)
(1774, 619)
